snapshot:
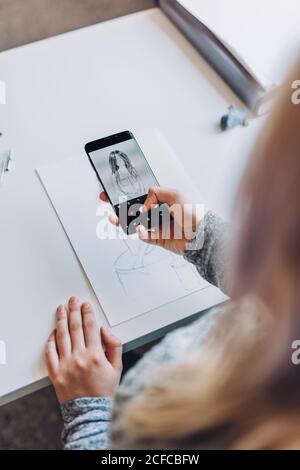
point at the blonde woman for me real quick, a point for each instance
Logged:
(227, 380)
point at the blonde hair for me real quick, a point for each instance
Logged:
(244, 393)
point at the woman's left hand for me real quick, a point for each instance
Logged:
(82, 360)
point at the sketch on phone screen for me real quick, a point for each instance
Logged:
(125, 178)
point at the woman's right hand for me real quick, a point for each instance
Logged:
(185, 217)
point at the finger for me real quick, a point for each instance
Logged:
(113, 219)
(158, 195)
(152, 198)
(147, 235)
(51, 355)
(103, 197)
(75, 324)
(90, 327)
(63, 340)
(113, 348)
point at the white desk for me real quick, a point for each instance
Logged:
(130, 73)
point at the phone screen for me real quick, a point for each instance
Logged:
(126, 178)
(124, 171)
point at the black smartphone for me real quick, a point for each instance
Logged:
(126, 176)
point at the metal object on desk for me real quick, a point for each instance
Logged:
(5, 164)
(235, 117)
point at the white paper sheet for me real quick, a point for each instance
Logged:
(128, 276)
(264, 33)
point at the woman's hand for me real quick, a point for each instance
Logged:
(184, 219)
(82, 360)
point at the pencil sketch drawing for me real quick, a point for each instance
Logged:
(125, 178)
(141, 262)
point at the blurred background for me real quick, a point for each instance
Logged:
(23, 21)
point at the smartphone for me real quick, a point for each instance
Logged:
(126, 176)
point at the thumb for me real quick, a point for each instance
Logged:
(157, 195)
(113, 348)
(151, 198)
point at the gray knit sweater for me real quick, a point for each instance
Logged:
(87, 421)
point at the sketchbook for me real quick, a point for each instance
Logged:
(128, 276)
